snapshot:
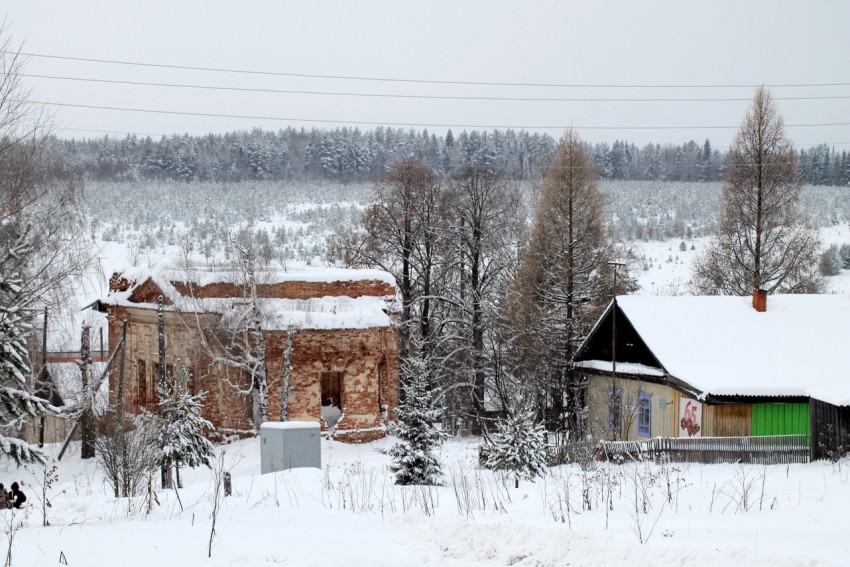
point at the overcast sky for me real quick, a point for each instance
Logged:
(717, 49)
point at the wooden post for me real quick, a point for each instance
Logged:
(43, 373)
(228, 486)
(87, 420)
(122, 426)
(160, 320)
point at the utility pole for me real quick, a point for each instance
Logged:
(613, 396)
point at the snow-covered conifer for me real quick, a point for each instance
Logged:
(518, 447)
(16, 404)
(414, 461)
(181, 427)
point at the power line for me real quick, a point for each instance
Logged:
(412, 124)
(418, 96)
(417, 81)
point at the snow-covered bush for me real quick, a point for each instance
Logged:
(518, 447)
(180, 425)
(830, 263)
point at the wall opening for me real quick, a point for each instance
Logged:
(331, 397)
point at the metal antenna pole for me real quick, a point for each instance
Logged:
(615, 265)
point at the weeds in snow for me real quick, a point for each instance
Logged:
(478, 491)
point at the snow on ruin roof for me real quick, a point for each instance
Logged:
(318, 313)
(206, 276)
(330, 312)
(722, 346)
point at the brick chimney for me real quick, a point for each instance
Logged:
(760, 300)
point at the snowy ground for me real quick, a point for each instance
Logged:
(350, 513)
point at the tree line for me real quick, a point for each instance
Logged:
(349, 154)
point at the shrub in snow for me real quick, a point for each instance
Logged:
(413, 459)
(518, 447)
(127, 451)
(830, 263)
(844, 252)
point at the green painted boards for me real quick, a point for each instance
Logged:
(780, 419)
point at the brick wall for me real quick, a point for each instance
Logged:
(367, 360)
(290, 290)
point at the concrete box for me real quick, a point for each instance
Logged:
(289, 444)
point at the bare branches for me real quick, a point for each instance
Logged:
(763, 241)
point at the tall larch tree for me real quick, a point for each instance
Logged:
(563, 281)
(763, 240)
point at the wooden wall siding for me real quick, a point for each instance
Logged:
(727, 420)
(780, 419)
(830, 429)
(664, 408)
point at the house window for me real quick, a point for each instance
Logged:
(615, 410)
(644, 414)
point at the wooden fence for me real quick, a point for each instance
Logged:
(765, 450)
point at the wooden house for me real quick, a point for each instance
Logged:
(338, 327)
(721, 366)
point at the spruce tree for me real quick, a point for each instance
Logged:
(181, 427)
(413, 459)
(518, 447)
(16, 404)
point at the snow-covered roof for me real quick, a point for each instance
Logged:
(290, 425)
(326, 312)
(632, 368)
(724, 347)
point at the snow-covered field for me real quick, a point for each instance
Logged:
(351, 513)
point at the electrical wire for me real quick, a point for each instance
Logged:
(418, 96)
(412, 124)
(417, 81)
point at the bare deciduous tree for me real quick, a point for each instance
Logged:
(762, 241)
(486, 214)
(401, 234)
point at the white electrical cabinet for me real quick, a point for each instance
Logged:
(289, 445)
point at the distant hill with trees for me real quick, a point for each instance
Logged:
(350, 154)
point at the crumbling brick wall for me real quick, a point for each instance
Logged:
(290, 290)
(367, 360)
(230, 413)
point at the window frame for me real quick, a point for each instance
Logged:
(644, 403)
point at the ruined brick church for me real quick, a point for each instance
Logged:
(343, 349)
